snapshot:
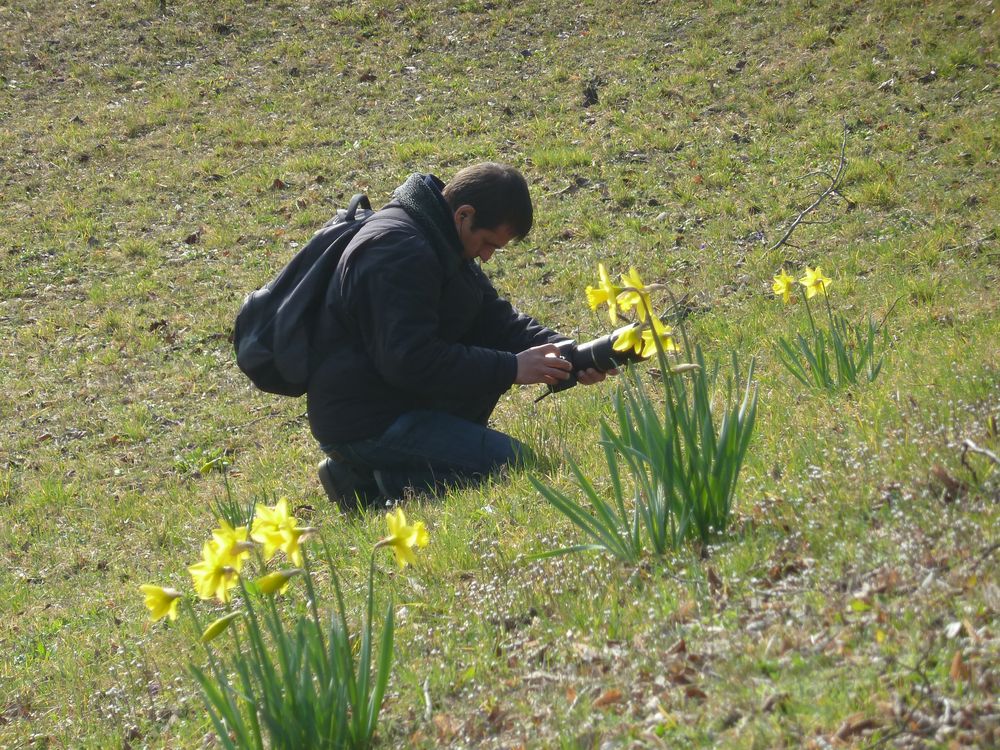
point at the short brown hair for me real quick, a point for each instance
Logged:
(498, 192)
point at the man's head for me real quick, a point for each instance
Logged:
(491, 206)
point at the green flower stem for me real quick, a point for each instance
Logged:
(805, 298)
(829, 310)
(311, 591)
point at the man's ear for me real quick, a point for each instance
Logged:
(465, 213)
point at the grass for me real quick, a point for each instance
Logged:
(139, 201)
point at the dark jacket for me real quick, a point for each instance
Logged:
(419, 327)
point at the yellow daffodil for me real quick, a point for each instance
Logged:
(605, 292)
(402, 537)
(216, 573)
(219, 626)
(641, 338)
(629, 339)
(657, 331)
(161, 602)
(277, 581)
(783, 286)
(232, 541)
(814, 282)
(634, 294)
(276, 528)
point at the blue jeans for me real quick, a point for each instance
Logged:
(429, 450)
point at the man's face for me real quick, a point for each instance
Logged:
(480, 242)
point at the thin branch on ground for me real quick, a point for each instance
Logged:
(974, 243)
(830, 190)
(984, 556)
(812, 222)
(970, 447)
(903, 723)
(428, 705)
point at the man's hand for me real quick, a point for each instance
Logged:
(541, 364)
(591, 376)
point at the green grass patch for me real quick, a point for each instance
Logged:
(157, 167)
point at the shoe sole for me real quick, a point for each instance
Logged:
(334, 494)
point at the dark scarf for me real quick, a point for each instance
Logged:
(420, 196)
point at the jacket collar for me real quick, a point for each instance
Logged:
(421, 198)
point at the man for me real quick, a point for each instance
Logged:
(423, 345)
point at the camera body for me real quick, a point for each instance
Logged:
(598, 354)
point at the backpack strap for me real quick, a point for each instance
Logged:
(359, 199)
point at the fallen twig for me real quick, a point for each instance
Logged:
(974, 243)
(968, 445)
(984, 556)
(428, 711)
(830, 190)
(903, 723)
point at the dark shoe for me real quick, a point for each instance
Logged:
(346, 487)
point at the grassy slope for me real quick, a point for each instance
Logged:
(139, 202)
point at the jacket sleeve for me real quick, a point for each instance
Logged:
(501, 326)
(394, 297)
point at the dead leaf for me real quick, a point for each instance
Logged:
(447, 726)
(773, 701)
(608, 697)
(887, 581)
(959, 671)
(730, 720)
(698, 179)
(695, 693)
(585, 651)
(678, 648)
(950, 488)
(570, 694)
(714, 582)
(784, 568)
(278, 184)
(684, 612)
(496, 717)
(855, 725)
(681, 675)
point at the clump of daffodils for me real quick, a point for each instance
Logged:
(274, 530)
(223, 556)
(812, 283)
(647, 332)
(835, 353)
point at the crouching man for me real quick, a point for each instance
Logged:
(424, 346)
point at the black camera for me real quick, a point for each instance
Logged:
(598, 354)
